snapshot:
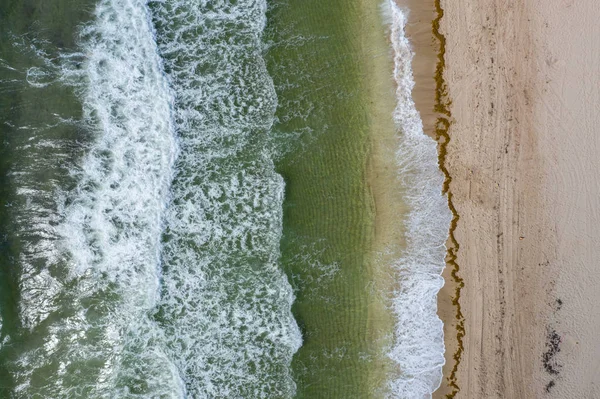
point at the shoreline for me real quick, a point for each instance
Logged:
(403, 149)
(425, 48)
(431, 101)
(389, 201)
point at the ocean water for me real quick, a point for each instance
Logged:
(225, 301)
(184, 209)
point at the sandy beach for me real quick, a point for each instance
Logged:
(522, 78)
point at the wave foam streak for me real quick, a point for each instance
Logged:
(88, 287)
(419, 346)
(225, 301)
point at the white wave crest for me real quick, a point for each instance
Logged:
(88, 288)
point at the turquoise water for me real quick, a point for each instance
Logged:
(185, 208)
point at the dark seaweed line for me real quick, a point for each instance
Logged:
(442, 106)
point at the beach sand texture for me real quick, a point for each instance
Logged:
(523, 80)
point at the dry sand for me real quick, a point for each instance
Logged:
(524, 80)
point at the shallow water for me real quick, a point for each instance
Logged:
(322, 126)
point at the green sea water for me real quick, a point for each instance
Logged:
(29, 120)
(319, 70)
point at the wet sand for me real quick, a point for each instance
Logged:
(522, 78)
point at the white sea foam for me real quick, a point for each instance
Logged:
(90, 280)
(419, 345)
(225, 302)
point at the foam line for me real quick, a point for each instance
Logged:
(419, 343)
